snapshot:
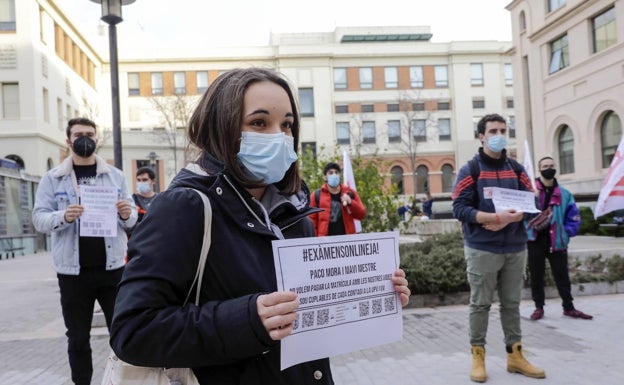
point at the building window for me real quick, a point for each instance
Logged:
(444, 106)
(476, 74)
(202, 81)
(511, 126)
(554, 4)
(306, 101)
(343, 133)
(366, 77)
(367, 108)
(478, 103)
(46, 106)
(559, 54)
(133, 84)
(447, 178)
(157, 83)
(444, 129)
(340, 78)
(418, 106)
(179, 83)
(394, 131)
(419, 130)
(422, 179)
(7, 15)
(441, 76)
(509, 103)
(475, 128)
(60, 119)
(508, 74)
(566, 150)
(522, 21)
(416, 77)
(341, 109)
(396, 177)
(392, 77)
(610, 135)
(392, 107)
(368, 132)
(605, 34)
(10, 100)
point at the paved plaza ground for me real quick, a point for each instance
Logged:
(434, 349)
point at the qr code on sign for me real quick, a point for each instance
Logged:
(307, 319)
(322, 317)
(296, 323)
(377, 306)
(364, 308)
(389, 303)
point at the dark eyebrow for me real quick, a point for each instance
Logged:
(266, 112)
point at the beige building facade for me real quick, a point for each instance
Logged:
(568, 61)
(388, 91)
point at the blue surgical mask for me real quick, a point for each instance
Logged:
(497, 143)
(143, 187)
(333, 180)
(267, 157)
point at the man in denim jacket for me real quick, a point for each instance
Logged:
(88, 268)
(551, 242)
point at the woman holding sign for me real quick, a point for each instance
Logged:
(247, 128)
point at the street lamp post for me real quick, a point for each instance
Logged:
(152, 156)
(111, 15)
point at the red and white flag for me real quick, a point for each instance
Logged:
(349, 179)
(611, 196)
(528, 164)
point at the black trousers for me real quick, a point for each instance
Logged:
(538, 252)
(78, 296)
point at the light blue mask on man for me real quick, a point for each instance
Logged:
(333, 180)
(267, 157)
(143, 187)
(497, 143)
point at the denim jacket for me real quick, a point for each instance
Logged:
(58, 189)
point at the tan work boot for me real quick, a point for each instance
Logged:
(477, 372)
(516, 363)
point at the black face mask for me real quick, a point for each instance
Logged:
(549, 173)
(83, 146)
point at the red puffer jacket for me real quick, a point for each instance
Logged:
(355, 210)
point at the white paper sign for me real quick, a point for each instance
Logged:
(99, 218)
(509, 199)
(347, 300)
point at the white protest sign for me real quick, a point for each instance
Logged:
(509, 199)
(99, 218)
(343, 285)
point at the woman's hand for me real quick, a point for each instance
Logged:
(400, 285)
(278, 312)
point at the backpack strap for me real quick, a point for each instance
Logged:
(475, 169)
(317, 196)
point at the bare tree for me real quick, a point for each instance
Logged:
(356, 125)
(412, 131)
(175, 112)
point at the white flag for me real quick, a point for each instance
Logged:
(528, 164)
(611, 196)
(349, 179)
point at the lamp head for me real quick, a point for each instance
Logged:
(111, 10)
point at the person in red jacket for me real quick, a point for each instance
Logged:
(340, 204)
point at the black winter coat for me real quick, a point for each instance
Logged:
(223, 339)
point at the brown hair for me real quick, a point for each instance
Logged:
(489, 118)
(82, 122)
(215, 125)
